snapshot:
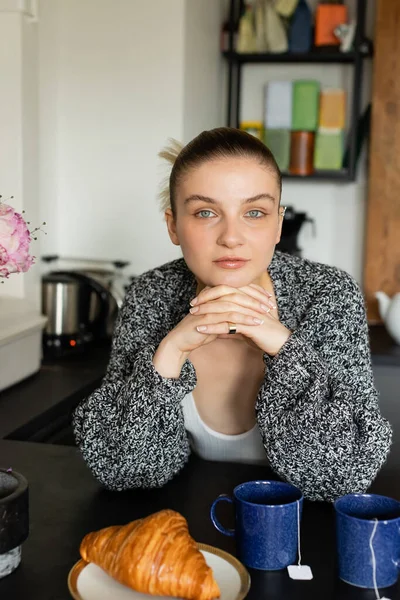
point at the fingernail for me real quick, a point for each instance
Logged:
(193, 302)
(265, 308)
(194, 310)
(258, 321)
(202, 328)
(272, 305)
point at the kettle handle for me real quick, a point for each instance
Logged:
(102, 293)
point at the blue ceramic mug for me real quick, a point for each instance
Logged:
(357, 516)
(266, 516)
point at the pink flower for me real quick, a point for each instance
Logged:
(15, 238)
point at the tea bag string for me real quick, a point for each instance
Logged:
(371, 539)
(298, 534)
(299, 571)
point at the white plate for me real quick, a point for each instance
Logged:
(89, 582)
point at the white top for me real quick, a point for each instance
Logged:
(211, 445)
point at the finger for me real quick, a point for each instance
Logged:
(261, 289)
(237, 296)
(260, 296)
(223, 328)
(208, 322)
(253, 300)
(216, 329)
(213, 293)
(250, 298)
(248, 306)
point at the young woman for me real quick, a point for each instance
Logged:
(236, 352)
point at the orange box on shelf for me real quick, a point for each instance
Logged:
(332, 109)
(327, 17)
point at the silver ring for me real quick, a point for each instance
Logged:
(232, 328)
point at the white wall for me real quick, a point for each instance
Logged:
(11, 117)
(203, 74)
(19, 131)
(118, 96)
(30, 153)
(112, 91)
(48, 120)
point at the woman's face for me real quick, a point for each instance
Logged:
(227, 221)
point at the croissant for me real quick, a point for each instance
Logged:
(155, 555)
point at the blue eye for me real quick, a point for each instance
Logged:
(255, 214)
(204, 214)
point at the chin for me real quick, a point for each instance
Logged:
(213, 276)
(233, 279)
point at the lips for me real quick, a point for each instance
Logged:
(231, 262)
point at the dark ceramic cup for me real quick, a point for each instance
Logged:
(266, 516)
(357, 515)
(14, 519)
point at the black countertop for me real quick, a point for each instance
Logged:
(66, 503)
(52, 393)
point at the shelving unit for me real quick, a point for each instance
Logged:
(339, 175)
(355, 59)
(335, 57)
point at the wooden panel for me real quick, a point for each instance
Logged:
(382, 248)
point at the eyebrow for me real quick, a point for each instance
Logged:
(200, 198)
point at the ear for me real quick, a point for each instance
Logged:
(171, 225)
(282, 210)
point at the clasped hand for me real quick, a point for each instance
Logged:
(249, 308)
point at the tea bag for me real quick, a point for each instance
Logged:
(299, 571)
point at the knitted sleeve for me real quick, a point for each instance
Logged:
(318, 407)
(131, 429)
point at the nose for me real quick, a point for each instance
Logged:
(230, 234)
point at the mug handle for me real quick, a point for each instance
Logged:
(397, 562)
(216, 523)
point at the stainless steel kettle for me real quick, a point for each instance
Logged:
(67, 302)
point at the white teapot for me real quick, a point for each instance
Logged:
(389, 309)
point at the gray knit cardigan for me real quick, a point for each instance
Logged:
(317, 408)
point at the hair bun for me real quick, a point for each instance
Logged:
(170, 153)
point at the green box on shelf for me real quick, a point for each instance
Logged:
(305, 106)
(328, 151)
(278, 141)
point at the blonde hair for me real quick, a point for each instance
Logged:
(169, 153)
(215, 144)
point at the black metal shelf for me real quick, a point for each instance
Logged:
(355, 59)
(290, 57)
(343, 175)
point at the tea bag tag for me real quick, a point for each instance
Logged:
(302, 572)
(299, 571)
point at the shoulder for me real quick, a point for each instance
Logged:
(167, 282)
(315, 279)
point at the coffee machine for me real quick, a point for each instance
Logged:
(292, 223)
